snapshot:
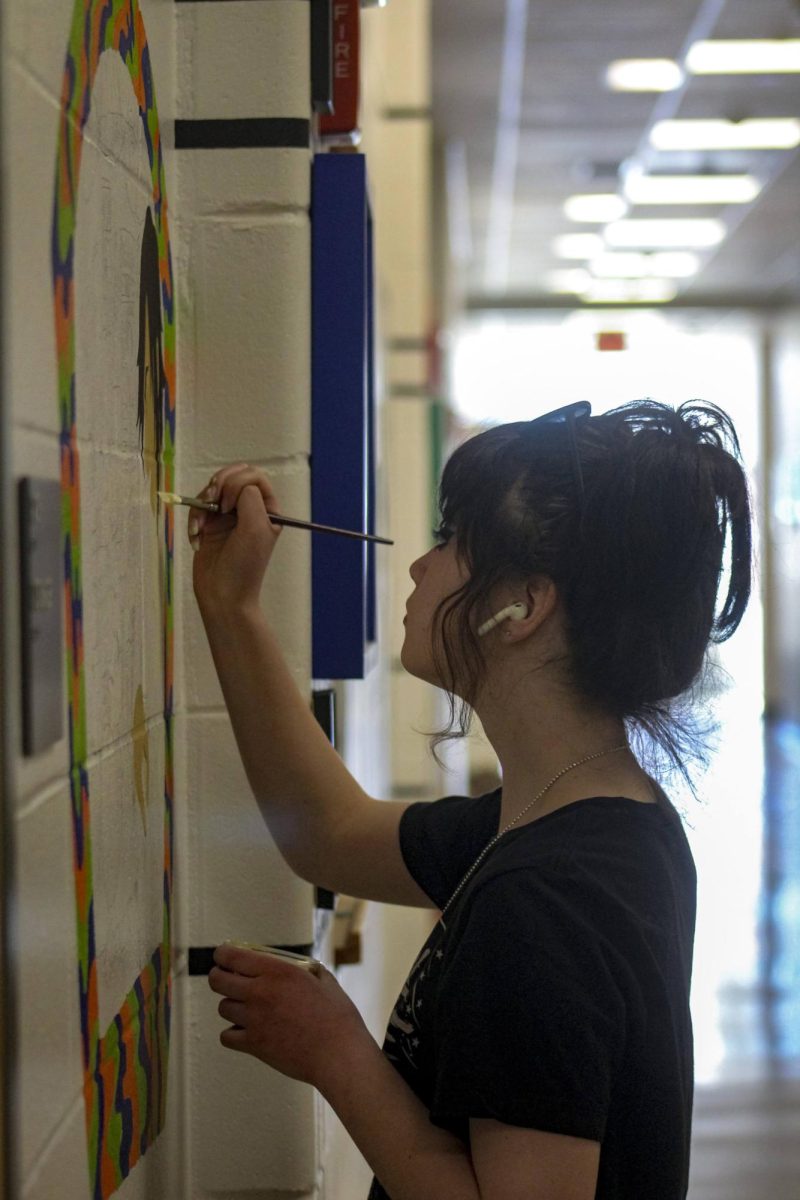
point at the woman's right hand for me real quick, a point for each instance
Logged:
(233, 547)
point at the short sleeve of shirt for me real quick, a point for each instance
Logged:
(440, 839)
(529, 1025)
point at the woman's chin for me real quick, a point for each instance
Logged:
(413, 667)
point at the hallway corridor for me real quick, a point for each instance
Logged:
(746, 981)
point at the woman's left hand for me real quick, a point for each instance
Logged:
(297, 1022)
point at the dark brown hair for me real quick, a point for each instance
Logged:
(637, 570)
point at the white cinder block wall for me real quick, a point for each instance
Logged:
(240, 238)
(120, 716)
(244, 366)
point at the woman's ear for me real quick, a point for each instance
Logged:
(542, 600)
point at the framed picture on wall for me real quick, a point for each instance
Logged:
(343, 417)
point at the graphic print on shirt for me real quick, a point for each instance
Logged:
(405, 1031)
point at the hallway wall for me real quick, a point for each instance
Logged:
(90, 323)
(157, 308)
(782, 350)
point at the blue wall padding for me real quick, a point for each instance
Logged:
(342, 428)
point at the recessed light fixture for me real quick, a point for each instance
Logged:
(578, 245)
(601, 207)
(692, 189)
(630, 291)
(644, 75)
(677, 264)
(631, 264)
(775, 133)
(573, 281)
(736, 57)
(658, 235)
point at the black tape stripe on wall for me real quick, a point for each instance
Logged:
(201, 958)
(243, 132)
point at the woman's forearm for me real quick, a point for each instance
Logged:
(413, 1159)
(297, 778)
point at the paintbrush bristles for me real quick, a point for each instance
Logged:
(192, 501)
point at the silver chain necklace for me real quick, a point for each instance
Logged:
(497, 837)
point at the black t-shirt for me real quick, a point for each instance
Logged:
(557, 995)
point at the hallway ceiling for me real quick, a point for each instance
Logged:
(575, 133)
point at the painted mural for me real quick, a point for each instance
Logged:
(124, 1065)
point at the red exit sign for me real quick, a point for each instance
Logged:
(611, 341)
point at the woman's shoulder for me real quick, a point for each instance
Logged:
(613, 842)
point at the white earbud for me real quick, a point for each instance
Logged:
(514, 612)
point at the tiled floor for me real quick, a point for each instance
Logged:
(745, 837)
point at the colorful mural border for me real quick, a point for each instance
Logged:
(125, 1070)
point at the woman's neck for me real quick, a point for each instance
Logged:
(536, 743)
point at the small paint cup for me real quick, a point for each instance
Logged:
(299, 960)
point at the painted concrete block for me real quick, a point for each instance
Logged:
(182, 882)
(243, 182)
(37, 33)
(161, 1173)
(245, 339)
(364, 717)
(403, 232)
(408, 368)
(114, 191)
(113, 202)
(62, 1169)
(122, 597)
(408, 32)
(241, 889)
(416, 715)
(160, 27)
(114, 125)
(410, 510)
(45, 949)
(285, 595)
(30, 127)
(252, 1129)
(127, 831)
(243, 60)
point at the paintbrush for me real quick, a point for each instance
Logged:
(276, 518)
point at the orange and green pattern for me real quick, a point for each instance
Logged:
(125, 1069)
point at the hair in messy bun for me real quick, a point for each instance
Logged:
(638, 571)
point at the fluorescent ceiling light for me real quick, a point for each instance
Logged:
(644, 75)
(615, 266)
(675, 264)
(574, 280)
(691, 189)
(578, 245)
(776, 133)
(602, 208)
(625, 291)
(757, 57)
(663, 234)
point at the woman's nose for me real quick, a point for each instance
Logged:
(416, 570)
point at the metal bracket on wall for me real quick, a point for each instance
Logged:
(322, 56)
(40, 617)
(323, 703)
